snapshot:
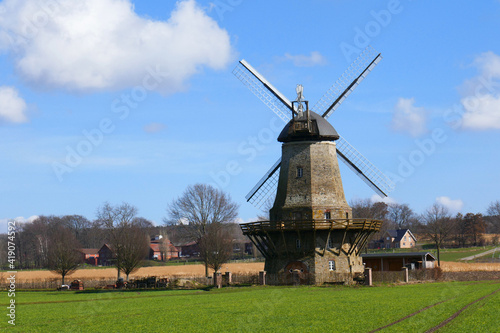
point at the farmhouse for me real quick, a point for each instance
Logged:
(162, 249)
(105, 255)
(396, 261)
(395, 239)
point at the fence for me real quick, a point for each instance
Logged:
(433, 274)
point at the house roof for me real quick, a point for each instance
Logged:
(398, 234)
(89, 251)
(426, 255)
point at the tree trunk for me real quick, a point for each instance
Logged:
(63, 279)
(439, 260)
(206, 269)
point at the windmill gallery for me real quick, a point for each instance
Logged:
(311, 236)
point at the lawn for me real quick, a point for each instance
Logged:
(272, 309)
(446, 254)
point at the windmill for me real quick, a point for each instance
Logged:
(311, 236)
(331, 100)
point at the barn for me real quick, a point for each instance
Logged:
(396, 261)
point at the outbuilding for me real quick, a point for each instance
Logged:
(396, 261)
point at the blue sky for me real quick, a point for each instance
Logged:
(108, 100)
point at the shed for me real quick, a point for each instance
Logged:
(396, 261)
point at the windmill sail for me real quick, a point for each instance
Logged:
(346, 83)
(264, 90)
(266, 186)
(330, 101)
(369, 173)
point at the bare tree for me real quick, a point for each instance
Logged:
(200, 206)
(216, 247)
(438, 226)
(63, 255)
(475, 227)
(494, 216)
(131, 248)
(128, 240)
(80, 226)
(365, 208)
(400, 215)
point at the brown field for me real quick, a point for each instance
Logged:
(110, 273)
(199, 270)
(451, 266)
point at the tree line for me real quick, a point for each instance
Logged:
(201, 214)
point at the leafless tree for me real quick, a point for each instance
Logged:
(438, 226)
(63, 255)
(365, 208)
(216, 247)
(460, 230)
(200, 206)
(475, 227)
(80, 226)
(494, 216)
(128, 240)
(400, 215)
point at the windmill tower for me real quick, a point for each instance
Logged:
(311, 235)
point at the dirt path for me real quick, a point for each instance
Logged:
(410, 315)
(455, 315)
(482, 254)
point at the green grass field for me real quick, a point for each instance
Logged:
(271, 309)
(445, 254)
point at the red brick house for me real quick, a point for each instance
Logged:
(162, 249)
(90, 256)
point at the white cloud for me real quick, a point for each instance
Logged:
(408, 118)
(454, 206)
(481, 112)
(89, 45)
(481, 100)
(12, 106)
(154, 127)
(300, 60)
(4, 223)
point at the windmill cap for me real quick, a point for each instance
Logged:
(321, 129)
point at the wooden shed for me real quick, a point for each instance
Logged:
(396, 261)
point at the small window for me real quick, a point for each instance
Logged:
(330, 243)
(300, 172)
(297, 243)
(331, 265)
(404, 244)
(297, 216)
(347, 215)
(388, 238)
(328, 216)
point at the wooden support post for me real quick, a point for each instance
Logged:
(228, 278)
(262, 278)
(405, 274)
(218, 280)
(368, 276)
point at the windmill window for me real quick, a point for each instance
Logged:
(297, 243)
(331, 265)
(330, 243)
(300, 172)
(328, 215)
